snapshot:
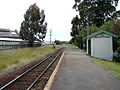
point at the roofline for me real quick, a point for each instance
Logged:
(4, 29)
(99, 32)
(9, 37)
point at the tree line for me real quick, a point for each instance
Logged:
(95, 15)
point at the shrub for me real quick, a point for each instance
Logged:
(118, 50)
(57, 42)
(116, 57)
(54, 47)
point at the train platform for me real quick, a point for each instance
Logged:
(78, 72)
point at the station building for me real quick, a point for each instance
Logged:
(9, 39)
(100, 45)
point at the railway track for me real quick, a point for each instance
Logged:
(29, 78)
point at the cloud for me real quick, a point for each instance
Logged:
(58, 13)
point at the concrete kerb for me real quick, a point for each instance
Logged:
(52, 77)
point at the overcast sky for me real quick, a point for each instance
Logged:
(59, 14)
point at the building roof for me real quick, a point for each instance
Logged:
(7, 33)
(99, 32)
(11, 39)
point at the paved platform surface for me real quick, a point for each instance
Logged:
(78, 72)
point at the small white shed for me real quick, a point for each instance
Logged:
(100, 45)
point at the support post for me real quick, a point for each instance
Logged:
(50, 36)
(87, 47)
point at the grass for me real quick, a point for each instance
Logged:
(112, 67)
(12, 59)
(74, 48)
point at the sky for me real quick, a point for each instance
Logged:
(59, 14)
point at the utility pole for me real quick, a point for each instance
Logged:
(88, 26)
(50, 36)
(88, 30)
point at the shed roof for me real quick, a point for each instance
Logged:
(99, 32)
(7, 33)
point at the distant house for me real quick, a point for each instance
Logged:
(9, 39)
(100, 45)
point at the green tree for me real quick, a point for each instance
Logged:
(57, 42)
(116, 30)
(34, 27)
(95, 12)
(116, 27)
(75, 26)
(92, 13)
(76, 29)
(79, 31)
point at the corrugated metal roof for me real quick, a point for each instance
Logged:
(5, 30)
(99, 32)
(8, 33)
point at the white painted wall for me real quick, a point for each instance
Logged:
(102, 48)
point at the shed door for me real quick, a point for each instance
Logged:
(103, 47)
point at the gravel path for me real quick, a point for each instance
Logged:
(78, 72)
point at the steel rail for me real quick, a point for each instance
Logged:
(44, 71)
(19, 76)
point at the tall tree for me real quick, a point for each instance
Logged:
(34, 27)
(92, 13)
(75, 26)
(76, 29)
(95, 11)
